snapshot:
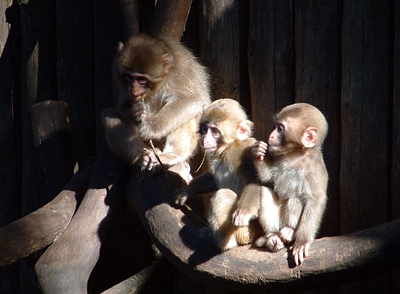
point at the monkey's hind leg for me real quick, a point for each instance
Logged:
(269, 220)
(222, 205)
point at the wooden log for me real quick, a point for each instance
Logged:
(128, 18)
(66, 265)
(169, 18)
(332, 260)
(38, 229)
(52, 148)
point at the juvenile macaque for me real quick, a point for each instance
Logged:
(162, 90)
(299, 173)
(226, 136)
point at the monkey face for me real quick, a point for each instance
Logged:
(210, 137)
(137, 84)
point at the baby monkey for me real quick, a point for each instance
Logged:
(299, 173)
(239, 197)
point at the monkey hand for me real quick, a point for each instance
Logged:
(241, 217)
(139, 111)
(286, 234)
(300, 251)
(259, 150)
(181, 196)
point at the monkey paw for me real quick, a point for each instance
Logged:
(273, 242)
(180, 197)
(286, 234)
(149, 160)
(241, 218)
(300, 251)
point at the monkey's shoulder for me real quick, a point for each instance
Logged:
(239, 152)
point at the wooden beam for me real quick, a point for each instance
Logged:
(332, 261)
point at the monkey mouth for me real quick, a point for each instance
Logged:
(273, 148)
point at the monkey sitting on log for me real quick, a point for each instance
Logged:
(162, 90)
(226, 137)
(299, 173)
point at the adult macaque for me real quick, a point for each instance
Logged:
(299, 173)
(162, 90)
(226, 136)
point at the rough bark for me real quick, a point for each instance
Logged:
(66, 265)
(169, 18)
(332, 261)
(38, 229)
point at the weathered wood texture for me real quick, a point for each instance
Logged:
(332, 260)
(75, 79)
(10, 130)
(66, 265)
(364, 113)
(52, 148)
(316, 82)
(41, 227)
(220, 32)
(169, 18)
(271, 59)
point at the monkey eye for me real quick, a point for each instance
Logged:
(214, 131)
(280, 128)
(127, 77)
(141, 80)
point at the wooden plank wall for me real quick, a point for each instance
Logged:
(342, 56)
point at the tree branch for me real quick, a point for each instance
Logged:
(332, 261)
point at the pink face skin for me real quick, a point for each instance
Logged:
(138, 85)
(210, 136)
(275, 138)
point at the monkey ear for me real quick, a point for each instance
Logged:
(309, 138)
(244, 130)
(167, 60)
(120, 47)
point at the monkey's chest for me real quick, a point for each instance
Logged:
(226, 177)
(290, 182)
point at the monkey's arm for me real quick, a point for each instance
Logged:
(308, 226)
(204, 184)
(248, 205)
(172, 115)
(122, 138)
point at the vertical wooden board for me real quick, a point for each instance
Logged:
(317, 59)
(105, 43)
(10, 159)
(364, 167)
(75, 72)
(219, 46)
(395, 156)
(47, 72)
(30, 28)
(270, 58)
